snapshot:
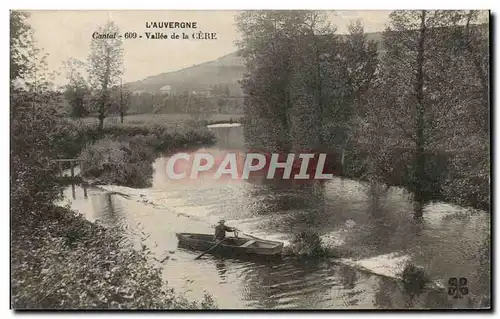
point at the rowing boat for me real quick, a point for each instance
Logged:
(231, 245)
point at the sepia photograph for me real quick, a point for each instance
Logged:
(250, 160)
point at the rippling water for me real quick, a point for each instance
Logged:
(378, 231)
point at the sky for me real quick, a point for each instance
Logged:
(67, 34)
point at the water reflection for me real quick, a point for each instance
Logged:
(348, 277)
(221, 269)
(110, 210)
(384, 295)
(229, 137)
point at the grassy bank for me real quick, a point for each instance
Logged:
(75, 264)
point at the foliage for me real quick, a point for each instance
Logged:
(467, 182)
(76, 264)
(414, 279)
(213, 101)
(267, 41)
(121, 163)
(222, 95)
(317, 81)
(198, 107)
(308, 244)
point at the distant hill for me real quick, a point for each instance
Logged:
(226, 70)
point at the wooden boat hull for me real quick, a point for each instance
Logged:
(231, 246)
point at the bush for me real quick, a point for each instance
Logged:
(308, 243)
(414, 279)
(123, 154)
(115, 162)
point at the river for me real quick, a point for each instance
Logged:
(378, 230)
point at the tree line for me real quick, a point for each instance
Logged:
(410, 111)
(217, 99)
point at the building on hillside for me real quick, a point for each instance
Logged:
(166, 89)
(202, 93)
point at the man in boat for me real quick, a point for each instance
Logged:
(221, 229)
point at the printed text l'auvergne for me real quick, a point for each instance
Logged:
(171, 25)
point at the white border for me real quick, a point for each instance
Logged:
(199, 4)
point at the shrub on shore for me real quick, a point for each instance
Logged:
(118, 162)
(76, 264)
(414, 279)
(308, 244)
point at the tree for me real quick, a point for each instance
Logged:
(284, 79)
(266, 46)
(105, 66)
(197, 106)
(314, 78)
(221, 94)
(417, 125)
(399, 96)
(462, 101)
(125, 100)
(361, 61)
(120, 100)
(302, 78)
(77, 91)
(354, 74)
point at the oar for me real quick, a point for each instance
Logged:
(248, 234)
(209, 250)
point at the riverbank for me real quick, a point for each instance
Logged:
(63, 261)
